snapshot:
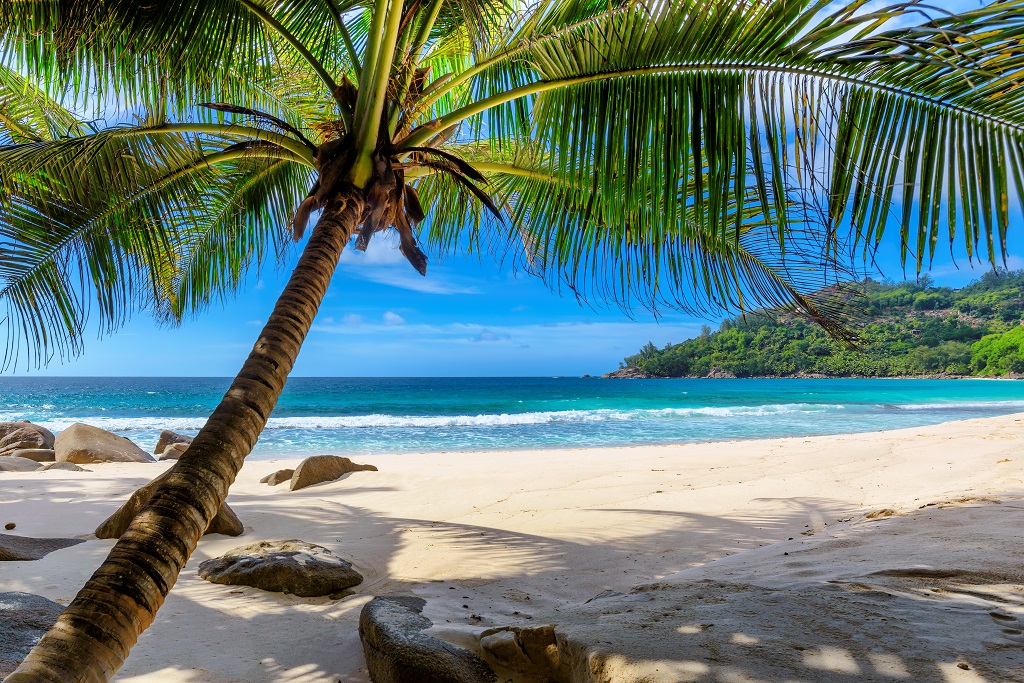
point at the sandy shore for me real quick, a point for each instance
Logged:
(525, 538)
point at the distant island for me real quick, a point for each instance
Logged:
(912, 329)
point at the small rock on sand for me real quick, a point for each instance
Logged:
(174, 451)
(321, 468)
(167, 438)
(295, 567)
(279, 477)
(65, 466)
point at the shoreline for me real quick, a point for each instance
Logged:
(519, 538)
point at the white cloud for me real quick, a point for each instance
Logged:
(384, 264)
(392, 318)
(254, 323)
(352, 320)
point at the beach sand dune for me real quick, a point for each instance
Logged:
(870, 557)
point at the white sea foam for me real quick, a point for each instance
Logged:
(381, 421)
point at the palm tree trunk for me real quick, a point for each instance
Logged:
(93, 636)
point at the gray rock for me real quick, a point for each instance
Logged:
(226, 522)
(397, 650)
(167, 438)
(37, 454)
(24, 618)
(23, 548)
(321, 468)
(83, 444)
(66, 466)
(11, 463)
(279, 477)
(720, 373)
(295, 567)
(174, 451)
(17, 435)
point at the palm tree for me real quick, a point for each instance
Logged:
(703, 154)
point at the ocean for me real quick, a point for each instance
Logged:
(345, 416)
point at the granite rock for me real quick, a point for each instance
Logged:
(83, 444)
(295, 567)
(279, 477)
(321, 468)
(23, 548)
(397, 650)
(24, 618)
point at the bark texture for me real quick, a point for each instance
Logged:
(93, 636)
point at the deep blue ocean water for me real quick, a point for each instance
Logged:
(415, 415)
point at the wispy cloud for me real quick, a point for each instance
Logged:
(384, 264)
(392, 318)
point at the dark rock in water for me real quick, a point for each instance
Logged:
(66, 466)
(25, 548)
(295, 567)
(174, 451)
(10, 463)
(321, 468)
(20, 435)
(397, 650)
(24, 618)
(83, 444)
(226, 522)
(279, 477)
(627, 373)
(37, 454)
(167, 437)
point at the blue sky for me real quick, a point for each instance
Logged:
(380, 318)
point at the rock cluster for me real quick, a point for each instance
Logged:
(397, 650)
(83, 444)
(226, 522)
(627, 373)
(16, 436)
(12, 463)
(295, 567)
(174, 451)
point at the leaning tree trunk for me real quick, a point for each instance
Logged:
(93, 636)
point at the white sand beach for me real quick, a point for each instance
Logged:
(527, 538)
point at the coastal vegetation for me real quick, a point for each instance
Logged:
(905, 330)
(701, 154)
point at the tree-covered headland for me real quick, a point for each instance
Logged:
(906, 329)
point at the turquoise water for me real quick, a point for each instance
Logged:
(396, 415)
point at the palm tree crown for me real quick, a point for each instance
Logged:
(694, 153)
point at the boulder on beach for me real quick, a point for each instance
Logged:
(397, 650)
(174, 451)
(24, 618)
(65, 466)
(37, 454)
(11, 463)
(295, 567)
(168, 438)
(25, 548)
(83, 444)
(279, 477)
(19, 435)
(226, 522)
(321, 468)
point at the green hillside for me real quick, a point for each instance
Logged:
(907, 329)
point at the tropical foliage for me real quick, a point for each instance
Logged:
(910, 329)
